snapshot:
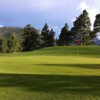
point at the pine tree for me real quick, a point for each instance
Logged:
(1, 45)
(12, 44)
(81, 29)
(64, 37)
(44, 35)
(51, 39)
(31, 38)
(97, 24)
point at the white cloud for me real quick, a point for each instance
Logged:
(83, 6)
(1, 25)
(91, 10)
(73, 19)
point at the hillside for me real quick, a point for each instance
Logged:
(65, 51)
(6, 31)
(56, 73)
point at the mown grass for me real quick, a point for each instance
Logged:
(61, 51)
(58, 73)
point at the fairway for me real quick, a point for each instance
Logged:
(56, 73)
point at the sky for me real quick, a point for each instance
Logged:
(56, 13)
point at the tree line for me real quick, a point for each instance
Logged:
(79, 34)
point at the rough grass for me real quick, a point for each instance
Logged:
(59, 73)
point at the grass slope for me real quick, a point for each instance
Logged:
(58, 73)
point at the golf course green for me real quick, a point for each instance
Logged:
(55, 73)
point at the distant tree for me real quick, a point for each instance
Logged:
(97, 24)
(1, 45)
(51, 39)
(12, 44)
(64, 37)
(30, 38)
(81, 29)
(44, 35)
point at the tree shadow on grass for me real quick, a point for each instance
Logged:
(88, 66)
(51, 82)
(6, 62)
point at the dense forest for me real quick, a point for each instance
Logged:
(14, 39)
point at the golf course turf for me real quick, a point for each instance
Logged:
(55, 73)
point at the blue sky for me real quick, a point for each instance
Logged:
(38, 12)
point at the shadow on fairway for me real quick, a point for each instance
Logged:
(88, 66)
(51, 82)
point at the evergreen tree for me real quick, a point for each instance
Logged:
(64, 37)
(1, 45)
(12, 44)
(51, 39)
(44, 35)
(92, 35)
(81, 29)
(31, 38)
(97, 24)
